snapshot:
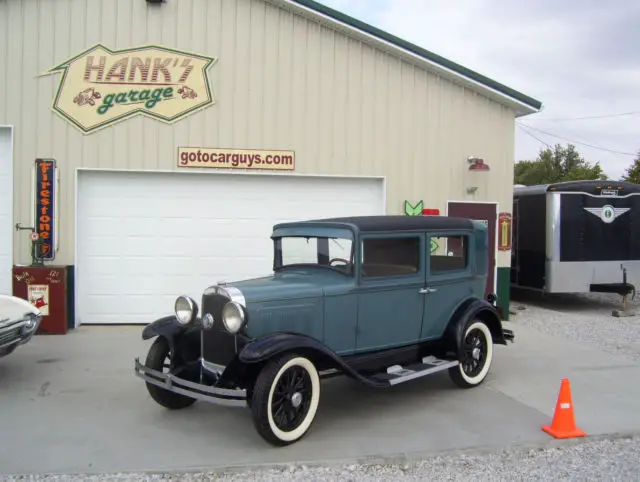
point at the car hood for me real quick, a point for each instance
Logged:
(13, 308)
(282, 286)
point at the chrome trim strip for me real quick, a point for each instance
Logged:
(554, 202)
(234, 294)
(231, 292)
(172, 383)
(597, 196)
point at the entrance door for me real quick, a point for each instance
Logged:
(488, 213)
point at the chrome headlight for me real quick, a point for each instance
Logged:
(186, 310)
(32, 320)
(233, 317)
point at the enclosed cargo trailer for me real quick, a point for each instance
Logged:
(576, 237)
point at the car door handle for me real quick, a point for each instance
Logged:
(426, 291)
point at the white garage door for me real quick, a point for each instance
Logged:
(145, 238)
(6, 211)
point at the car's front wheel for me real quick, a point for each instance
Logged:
(476, 354)
(159, 358)
(285, 399)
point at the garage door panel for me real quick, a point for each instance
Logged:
(145, 238)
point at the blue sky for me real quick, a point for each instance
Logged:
(580, 58)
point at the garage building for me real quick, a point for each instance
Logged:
(153, 144)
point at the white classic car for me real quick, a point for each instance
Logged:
(19, 320)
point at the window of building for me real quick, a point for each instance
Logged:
(448, 253)
(390, 256)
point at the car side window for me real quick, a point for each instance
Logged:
(383, 257)
(448, 253)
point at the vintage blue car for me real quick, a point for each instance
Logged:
(381, 299)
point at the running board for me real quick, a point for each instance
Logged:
(398, 374)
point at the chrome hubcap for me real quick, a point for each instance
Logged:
(296, 399)
(476, 353)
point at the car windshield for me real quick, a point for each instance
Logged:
(317, 251)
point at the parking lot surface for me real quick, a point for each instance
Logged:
(71, 404)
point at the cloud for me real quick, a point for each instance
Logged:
(580, 58)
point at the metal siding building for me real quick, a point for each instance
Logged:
(288, 76)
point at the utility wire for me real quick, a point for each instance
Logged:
(606, 116)
(582, 143)
(531, 135)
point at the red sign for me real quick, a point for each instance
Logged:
(504, 231)
(430, 212)
(45, 206)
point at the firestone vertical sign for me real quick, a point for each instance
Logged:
(45, 214)
(100, 86)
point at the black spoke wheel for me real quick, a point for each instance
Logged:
(285, 399)
(159, 358)
(476, 354)
(291, 398)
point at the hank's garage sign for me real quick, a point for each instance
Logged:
(100, 86)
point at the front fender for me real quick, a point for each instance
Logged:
(262, 349)
(167, 326)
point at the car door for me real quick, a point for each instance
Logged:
(390, 279)
(449, 279)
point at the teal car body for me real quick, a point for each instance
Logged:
(382, 299)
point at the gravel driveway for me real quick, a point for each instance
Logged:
(584, 318)
(598, 459)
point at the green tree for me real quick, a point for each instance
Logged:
(557, 165)
(633, 171)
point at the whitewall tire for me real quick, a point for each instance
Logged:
(285, 399)
(476, 355)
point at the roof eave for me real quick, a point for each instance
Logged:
(519, 102)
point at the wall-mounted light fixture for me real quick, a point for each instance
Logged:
(477, 164)
(472, 190)
(155, 1)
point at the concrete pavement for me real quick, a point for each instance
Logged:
(71, 404)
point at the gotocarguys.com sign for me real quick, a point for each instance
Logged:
(236, 159)
(100, 86)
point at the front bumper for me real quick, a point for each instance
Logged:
(19, 332)
(206, 393)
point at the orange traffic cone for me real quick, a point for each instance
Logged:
(564, 424)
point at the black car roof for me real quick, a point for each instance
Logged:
(392, 223)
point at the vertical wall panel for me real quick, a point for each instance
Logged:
(4, 63)
(280, 82)
(14, 116)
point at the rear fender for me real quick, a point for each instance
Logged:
(259, 351)
(468, 310)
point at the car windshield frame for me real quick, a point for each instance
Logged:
(317, 235)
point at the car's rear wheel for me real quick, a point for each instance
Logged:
(159, 358)
(476, 354)
(285, 399)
